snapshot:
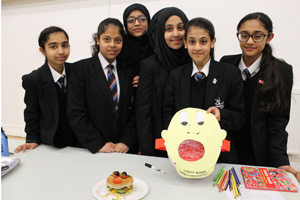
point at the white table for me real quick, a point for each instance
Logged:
(49, 173)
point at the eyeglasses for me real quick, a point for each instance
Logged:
(257, 37)
(141, 19)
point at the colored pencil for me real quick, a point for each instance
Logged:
(221, 178)
(228, 181)
(237, 178)
(238, 190)
(223, 181)
(217, 179)
(230, 185)
(219, 173)
(235, 193)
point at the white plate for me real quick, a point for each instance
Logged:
(140, 190)
(11, 162)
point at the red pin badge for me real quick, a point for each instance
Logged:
(261, 82)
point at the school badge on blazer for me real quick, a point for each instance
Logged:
(219, 104)
(215, 81)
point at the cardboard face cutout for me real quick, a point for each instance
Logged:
(193, 141)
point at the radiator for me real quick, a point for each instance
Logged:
(293, 127)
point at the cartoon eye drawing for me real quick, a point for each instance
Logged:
(200, 118)
(183, 118)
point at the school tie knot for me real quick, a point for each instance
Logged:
(246, 71)
(112, 81)
(61, 82)
(199, 76)
(110, 67)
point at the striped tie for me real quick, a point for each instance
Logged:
(199, 76)
(61, 82)
(247, 73)
(113, 85)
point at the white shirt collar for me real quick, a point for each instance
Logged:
(55, 74)
(205, 69)
(104, 62)
(253, 69)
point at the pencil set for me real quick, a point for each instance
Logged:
(228, 179)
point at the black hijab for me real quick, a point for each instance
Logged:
(139, 48)
(170, 58)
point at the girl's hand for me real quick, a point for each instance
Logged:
(26, 146)
(121, 148)
(215, 111)
(109, 147)
(135, 81)
(288, 168)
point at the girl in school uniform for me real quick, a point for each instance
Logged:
(206, 84)
(100, 94)
(167, 30)
(45, 114)
(267, 90)
(136, 20)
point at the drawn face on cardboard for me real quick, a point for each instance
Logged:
(193, 141)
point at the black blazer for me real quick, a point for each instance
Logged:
(223, 82)
(269, 137)
(149, 102)
(90, 107)
(42, 110)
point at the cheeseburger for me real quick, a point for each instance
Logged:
(119, 184)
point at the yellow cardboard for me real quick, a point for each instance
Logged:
(194, 129)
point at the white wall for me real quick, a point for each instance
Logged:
(23, 20)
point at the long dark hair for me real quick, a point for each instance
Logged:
(102, 28)
(273, 94)
(44, 35)
(205, 24)
(122, 58)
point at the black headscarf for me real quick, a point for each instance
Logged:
(170, 58)
(139, 48)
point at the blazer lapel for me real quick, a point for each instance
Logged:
(186, 85)
(67, 68)
(49, 89)
(213, 81)
(255, 102)
(99, 77)
(160, 75)
(236, 60)
(123, 82)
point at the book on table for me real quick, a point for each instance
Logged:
(264, 178)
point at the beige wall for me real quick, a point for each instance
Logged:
(23, 20)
